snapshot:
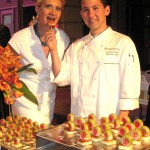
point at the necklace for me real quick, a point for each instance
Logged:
(38, 35)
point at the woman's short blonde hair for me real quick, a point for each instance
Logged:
(38, 2)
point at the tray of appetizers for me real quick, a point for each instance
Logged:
(100, 134)
(19, 133)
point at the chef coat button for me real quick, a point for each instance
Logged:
(101, 45)
(93, 96)
(97, 62)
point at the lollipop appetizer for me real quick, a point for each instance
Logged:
(84, 126)
(125, 120)
(16, 142)
(130, 126)
(145, 133)
(70, 117)
(2, 122)
(84, 138)
(103, 120)
(79, 121)
(138, 123)
(126, 143)
(97, 134)
(108, 138)
(92, 116)
(123, 130)
(51, 24)
(8, 139)
(105, 127)
(116, 127)
(112, 117)
(70, 127)
(43, 126)
(136, 135)
(91, 123)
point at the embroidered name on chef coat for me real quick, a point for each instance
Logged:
(111, 55)
(112, 51)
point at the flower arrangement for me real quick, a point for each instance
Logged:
(10, 84)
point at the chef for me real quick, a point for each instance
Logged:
(102, 67)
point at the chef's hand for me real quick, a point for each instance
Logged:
(123, 113)
(50, 40)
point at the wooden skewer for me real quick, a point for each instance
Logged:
(51, 25)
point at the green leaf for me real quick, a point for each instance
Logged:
(26, 67)
(28, 94)
(31, 70)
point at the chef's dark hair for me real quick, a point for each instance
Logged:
(104, 2)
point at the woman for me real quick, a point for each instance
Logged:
(31, 44)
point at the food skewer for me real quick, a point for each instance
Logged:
(51, 24)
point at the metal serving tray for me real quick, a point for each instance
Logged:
(56, 138)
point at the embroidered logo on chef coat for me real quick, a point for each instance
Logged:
(112, 51)
(111, 55)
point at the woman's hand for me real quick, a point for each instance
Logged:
(50, 40)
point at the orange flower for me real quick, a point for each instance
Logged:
(11, 78)
(18, 84)
(7, 98)
(4, 86)
(17, 93)
(1, 50)
(10, 66)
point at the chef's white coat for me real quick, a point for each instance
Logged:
(104, 74)
(28, 45)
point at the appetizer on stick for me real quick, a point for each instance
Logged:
(92, 116)
(136, 135)
(125, 119)
(79, 121)
(70, 127)
(109, 138)
(91, 123)
(70, 117)
(126, 143)
(145, 133)
(16, 143)
(84, 138)
(97, 134)
(138, 123)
